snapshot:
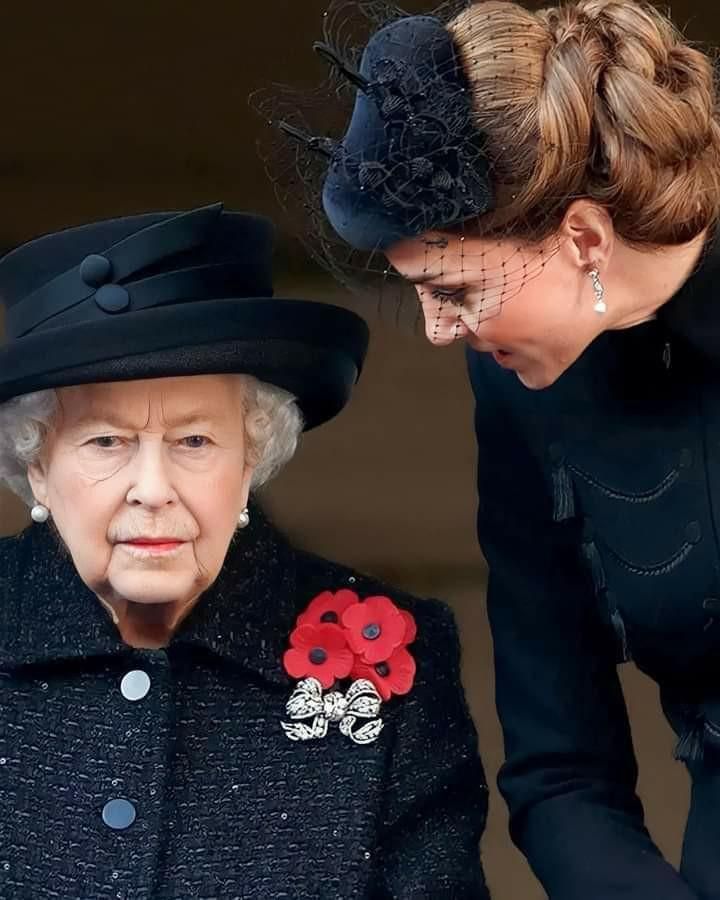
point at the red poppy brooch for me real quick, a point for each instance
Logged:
(341, 636)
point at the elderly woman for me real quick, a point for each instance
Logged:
(189, 707)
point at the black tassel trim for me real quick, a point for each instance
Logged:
(690, 748)
(597, 572)
(563, 495)
(590, 552)
(618, 625)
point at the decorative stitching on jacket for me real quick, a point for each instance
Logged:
(661, 568)
(641, 497)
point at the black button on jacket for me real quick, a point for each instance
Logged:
(600, 518)
(178, 781)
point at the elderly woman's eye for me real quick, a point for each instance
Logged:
(105, 442)
(195, 442)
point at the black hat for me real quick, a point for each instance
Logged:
(163, 294)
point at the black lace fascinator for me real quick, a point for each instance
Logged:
(388, 147)
(411, 159)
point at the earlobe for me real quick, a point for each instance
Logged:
(38, 482)
(589, 234)
(247, 482)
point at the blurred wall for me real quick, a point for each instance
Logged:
(117, 108)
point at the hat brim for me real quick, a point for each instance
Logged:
(313, 350)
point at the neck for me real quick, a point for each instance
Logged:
(639, 282)
(147, 626)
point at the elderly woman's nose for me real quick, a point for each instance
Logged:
(441, 329)
(151, 482)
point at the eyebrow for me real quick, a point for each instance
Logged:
(426, 278)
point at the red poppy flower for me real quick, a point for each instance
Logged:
(410, 627)
(374, 628)
(328, 608)
(319, 651)
(391, 676)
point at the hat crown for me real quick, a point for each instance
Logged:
(166, 295)
(132, 263)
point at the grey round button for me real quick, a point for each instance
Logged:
(118, 814)
(111, 298)
(135, 685)
(95, 270)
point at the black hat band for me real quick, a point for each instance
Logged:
(118, 262)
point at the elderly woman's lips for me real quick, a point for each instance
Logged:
(160, 540)
(154, 545)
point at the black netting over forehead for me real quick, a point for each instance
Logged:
(388, 148)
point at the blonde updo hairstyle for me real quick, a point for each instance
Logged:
(597, 99)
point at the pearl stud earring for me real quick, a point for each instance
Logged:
(39, 513)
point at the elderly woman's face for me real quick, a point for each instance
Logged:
(145, 481)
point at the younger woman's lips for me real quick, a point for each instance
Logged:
(502, 358)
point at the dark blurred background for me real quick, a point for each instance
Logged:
(115, 108)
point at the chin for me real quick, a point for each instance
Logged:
(154, 588)
(537, 381)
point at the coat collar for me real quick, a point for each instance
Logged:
(47, 613)
(693, 314)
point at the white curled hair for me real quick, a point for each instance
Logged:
(273, 424)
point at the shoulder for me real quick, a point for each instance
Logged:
(15, 550)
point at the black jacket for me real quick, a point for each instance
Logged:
(600, 519)
(226, 805)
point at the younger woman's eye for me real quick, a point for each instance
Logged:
(454, 296)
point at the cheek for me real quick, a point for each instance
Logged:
(80, 499)
(82, 513)
(215, 501)
(529, 319)
(507, 328)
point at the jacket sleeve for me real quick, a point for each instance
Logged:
(570, 773)
(436, 794)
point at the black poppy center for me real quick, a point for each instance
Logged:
(329, 616)
(383, 669)
(318, 656)
(372, 631)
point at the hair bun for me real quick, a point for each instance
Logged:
(624, 112)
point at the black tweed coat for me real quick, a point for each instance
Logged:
(225, 805)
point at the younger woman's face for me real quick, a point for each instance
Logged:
(532, 309)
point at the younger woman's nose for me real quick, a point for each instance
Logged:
(442, 330)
